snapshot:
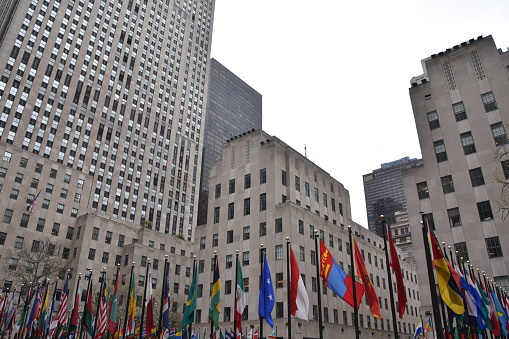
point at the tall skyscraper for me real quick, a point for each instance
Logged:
(102, 111)
(461, 107)
(233, 108)
(384, 192)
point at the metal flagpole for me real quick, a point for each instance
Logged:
(103, 274)
(163, 296)
(431, 278)
(212, 329)
(142, 320)
(263, 250)
(288, 285)
(354, 287)
(389, 277)
(235, 299)
(128, 301)
(317, 253)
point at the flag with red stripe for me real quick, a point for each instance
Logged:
(102, 317)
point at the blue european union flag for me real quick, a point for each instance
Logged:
(266, 301)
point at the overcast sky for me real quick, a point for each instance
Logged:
(334, 75)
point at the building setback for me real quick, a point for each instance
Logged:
(461, 106)
(263, 191)
(233, 107)
(385, 193)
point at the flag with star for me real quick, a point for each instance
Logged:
(266, 301)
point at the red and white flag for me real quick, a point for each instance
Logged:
(149, 305)
(299, 301)
(102, 317)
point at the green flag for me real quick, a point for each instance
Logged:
(215, 302)
(188, 317)
(221, 336)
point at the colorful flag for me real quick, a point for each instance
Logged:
(178, 335)
(266, 300)
(450, 294)
(273, 334)
(166, 296)
(149, 305)
(227, 334)
(299, 301)
(418, 329)
(336, 279)
(240, 299)
(501, 314)
(396, 266)
(32, 205)
(221, 336)
(102, 316)
(73, 325)
(113, 306)
(215, 298)
(87, 312)
(363, 274)
(255, 334)
(190, 307)
(131, 307)
(33, 312)
(43, 312)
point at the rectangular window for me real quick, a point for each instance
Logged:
(263, 202)
(216, 215)
(109, 235)
(263, 176)
(499, 134)
(422, 190)
(331, 240)
(24, 220)
(18, 178)
(218, 191)
(505, 168)
(121, 240)
(459, 111)
(263, 228)
(279, 280)
(34, 183)
(231, 211)
(18, 243)
(297, 183)
(476, 177)
(105, 258)
(306, 188)
(95, 233)
(279, 252)
(231, 187)
(462, 251)
(279, 225)
(91, 254)
(23, 162)
(247, 206)
(302, 253)
(447, 184)
(493, 247)
(433, 120)
(454, 217)
(279, 309)
(484, 209)
(229, 239)
(3, 172)
(8, 216)
(488, 100)
(245, 258)
(215, 240)
(229, 261)
(440, 152)
(246, 233)
(247, 181)
(14, 194)
(53, 173)
(467, 140)
(301, 227)
(317, 196)
(40, 225)
(283, 178)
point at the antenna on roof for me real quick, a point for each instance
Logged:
(305, 151)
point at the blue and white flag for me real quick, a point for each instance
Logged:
(418, 329)
(266, 301)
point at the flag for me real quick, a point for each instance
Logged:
(102, 316)
(429, 327)
(166, 296)
(502, 316)
(215, 298)
(299, 301)
(273, 334)
(418, 329)
(493, 313)
(240, 299)
(32, 205)
(363, 274)
(33, 312)
(336, 279)
(450, 294)
(149, 305)
(227, 334)
(266, 299)
(43, 313)
(255, 334)
(395, 264)
(178, 335)
(113, 306)
(190, 307)
(131, 305)
(73, 325)
(221, 336)
(61, 316)
(87, 312)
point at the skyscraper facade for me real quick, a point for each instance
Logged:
(461, 107)
(102, 111)
(233, 108)
(384, 192)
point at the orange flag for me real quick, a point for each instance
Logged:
(363, 274)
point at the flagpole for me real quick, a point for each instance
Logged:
(190, 328)
(142, 320)
(431, 278)
(389, 277)
(86, 304)
(163, 297)
(128, 301)
(212, 333)
(263, 250)
(354, 283)
(103, 274)
(317, 259)
(235, 299)
(288, 285)
(51, 310)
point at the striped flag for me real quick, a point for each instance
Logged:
(149, 304)
(215, 300)
(166, 296)
(102, 319)
(32, 205)
(61, 317)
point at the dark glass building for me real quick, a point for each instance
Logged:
(233, 108)
(384, 192)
